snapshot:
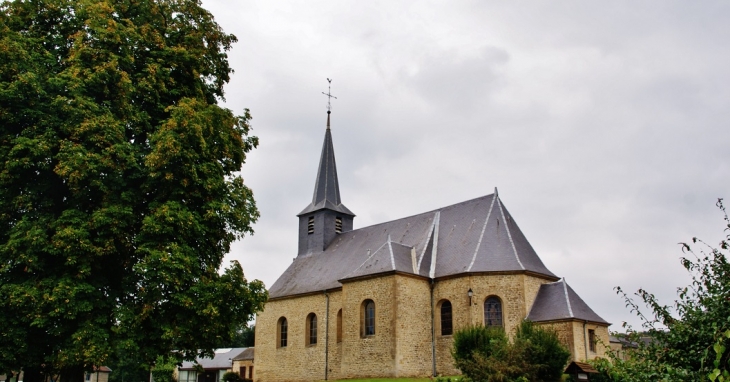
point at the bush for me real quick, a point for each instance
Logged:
(485, 354)
(232, 377)
(164, 370)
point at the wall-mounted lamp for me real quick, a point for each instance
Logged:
(470, 293)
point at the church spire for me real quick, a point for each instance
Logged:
(325, 217)
(327, 187)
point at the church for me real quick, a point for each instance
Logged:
(384, 300)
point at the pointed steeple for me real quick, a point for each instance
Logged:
(327, 187)
(325, 217)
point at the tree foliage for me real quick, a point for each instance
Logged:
(485, 354)
(690, 338)
(119, 193)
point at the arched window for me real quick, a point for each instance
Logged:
(368, 318)
(339, 325)
(282, 330)
(311, 332)
(492, 311)
(446, 328)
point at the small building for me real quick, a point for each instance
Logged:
(243, 364)
(209, 369)
(99, 374)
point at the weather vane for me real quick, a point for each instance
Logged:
(329, 96)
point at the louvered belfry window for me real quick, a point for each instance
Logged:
(310, 225)
(338, 224)
(492, 312)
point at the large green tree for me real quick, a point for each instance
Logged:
(119, 193)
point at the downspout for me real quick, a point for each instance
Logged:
(585, 339)
(433, 335)
(326, 335)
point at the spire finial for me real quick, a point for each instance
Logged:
(329, 98)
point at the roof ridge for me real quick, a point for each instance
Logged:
(370, 256)
(422, 213)
(567, 298)
(434, 250)
(425, 245)
(509, 235)
(481, 235)
(392, 258)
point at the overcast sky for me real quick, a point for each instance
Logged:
(603, 124)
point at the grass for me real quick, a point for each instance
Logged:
(389, 380)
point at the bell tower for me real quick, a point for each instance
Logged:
(326, 217)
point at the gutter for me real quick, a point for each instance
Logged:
(433, 335)
(585, 339)
(326, 335)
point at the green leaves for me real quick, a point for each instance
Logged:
(485, 354)
(689, 339)
(119, 193)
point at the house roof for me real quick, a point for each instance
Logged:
(327, 187)
(580, 367)
(222, 359)
(247, 354)
(558, 301)
(477, 235)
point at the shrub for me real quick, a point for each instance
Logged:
(485, 354)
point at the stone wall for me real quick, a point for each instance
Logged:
(297, 361)
(369, 356)
(401, 346)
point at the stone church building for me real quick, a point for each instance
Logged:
(384, 300)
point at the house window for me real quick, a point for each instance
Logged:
(446, 328)
(282, 332)
(250, 372)
(368, 318)
(339, 326)
(492, 311)
(338, 224)
(592, 340)
(88, 376)
(311, 331)
(310, 225)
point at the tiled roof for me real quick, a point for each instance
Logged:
(558, 301)
(245, 355)
(222, 359)
(477, 235)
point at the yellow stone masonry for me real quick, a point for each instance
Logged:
(402, 343)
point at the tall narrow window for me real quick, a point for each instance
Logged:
(492, 312)
(368, 314)
(339, 325)
(446, 328)
(310, 225)
(282, 329)
(311, 332)
(338, 224)
(592, 340)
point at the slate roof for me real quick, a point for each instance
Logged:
(327, 187)
(477, 235)
(247, 354)
(222, 360)
(558, 301)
